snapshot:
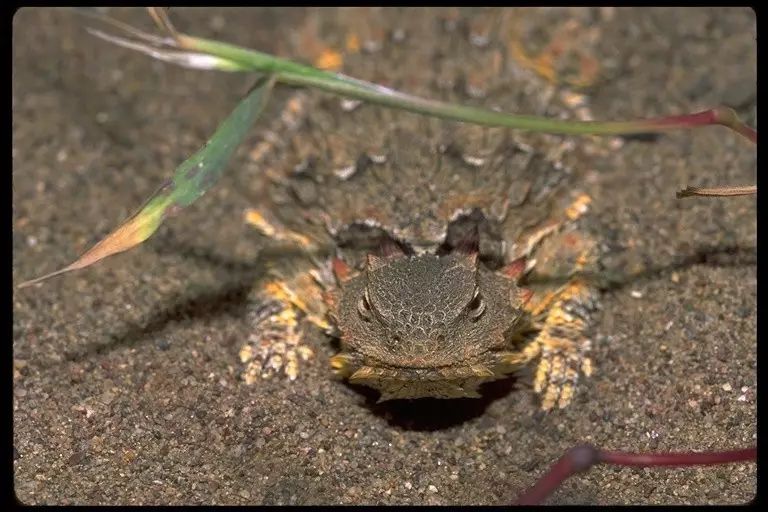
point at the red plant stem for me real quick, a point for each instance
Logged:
(721, 115)
(677, 459)
(583, 457)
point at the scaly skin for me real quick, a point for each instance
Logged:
(427, 186)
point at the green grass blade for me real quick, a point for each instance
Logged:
(190, 181)
(299, 74)
(235, 58)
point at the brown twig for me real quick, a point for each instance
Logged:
(717, 191)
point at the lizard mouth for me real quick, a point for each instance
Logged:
(457, 380)
(423, 383)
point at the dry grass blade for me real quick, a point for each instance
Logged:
(193, 60)
(161, 18)
(717, 191)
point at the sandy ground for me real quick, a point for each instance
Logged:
(125, 389)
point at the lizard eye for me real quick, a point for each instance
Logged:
(364, 307)
(476, 306)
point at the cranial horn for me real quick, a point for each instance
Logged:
(340, 270)
(515, 269)
(389, 248)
